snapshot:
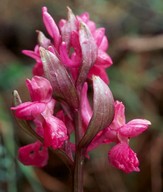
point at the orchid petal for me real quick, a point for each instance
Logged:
(122, 157)
(55, 132)
(85, 106)
(51, 26)
(103, 59)
(32, 54)
(98, 35)
(104, 44)
(134, 127)
(119, 117)
(29, 110)
(84, 17)
(65, 56)
(38, 69)
(99, 71)
(34, 154)
(92, 26)
(39, 88)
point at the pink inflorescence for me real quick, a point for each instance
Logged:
(66, 64)
(68, 43)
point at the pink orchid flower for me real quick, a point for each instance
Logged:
(34, 154)
(41, 94)
(54, 133)
(119, 130)
(50, 128)
(121, 155)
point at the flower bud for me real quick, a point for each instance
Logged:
(68, 26)
(51, 26)
(89, 52)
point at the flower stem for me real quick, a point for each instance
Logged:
(78, 171)
(79, 155)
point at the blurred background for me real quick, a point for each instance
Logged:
(135, 32)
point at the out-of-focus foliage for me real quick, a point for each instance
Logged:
(135, 31)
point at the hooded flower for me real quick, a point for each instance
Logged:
(41, 95)
(40, 110)
(121, 155)
(119, 130)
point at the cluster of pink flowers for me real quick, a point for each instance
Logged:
(66, 66)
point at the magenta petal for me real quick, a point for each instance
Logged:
(61, 23)
(65, 56)
(122, 157)
(38, 126)
(104, 44)
(134, 128)
(97, 141)
(99, 71)
(40, 89)
(67, 121)
(110, 135)
(84, 17)
(32, 54)
(85, 106)
(103, 59)
(51, 26)
(55, 132)
(29, 110)
(34, 154)
(92, 26)
(38, 69)
(49, 109)
(75, 43)
(119, 117)
(98, 35)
